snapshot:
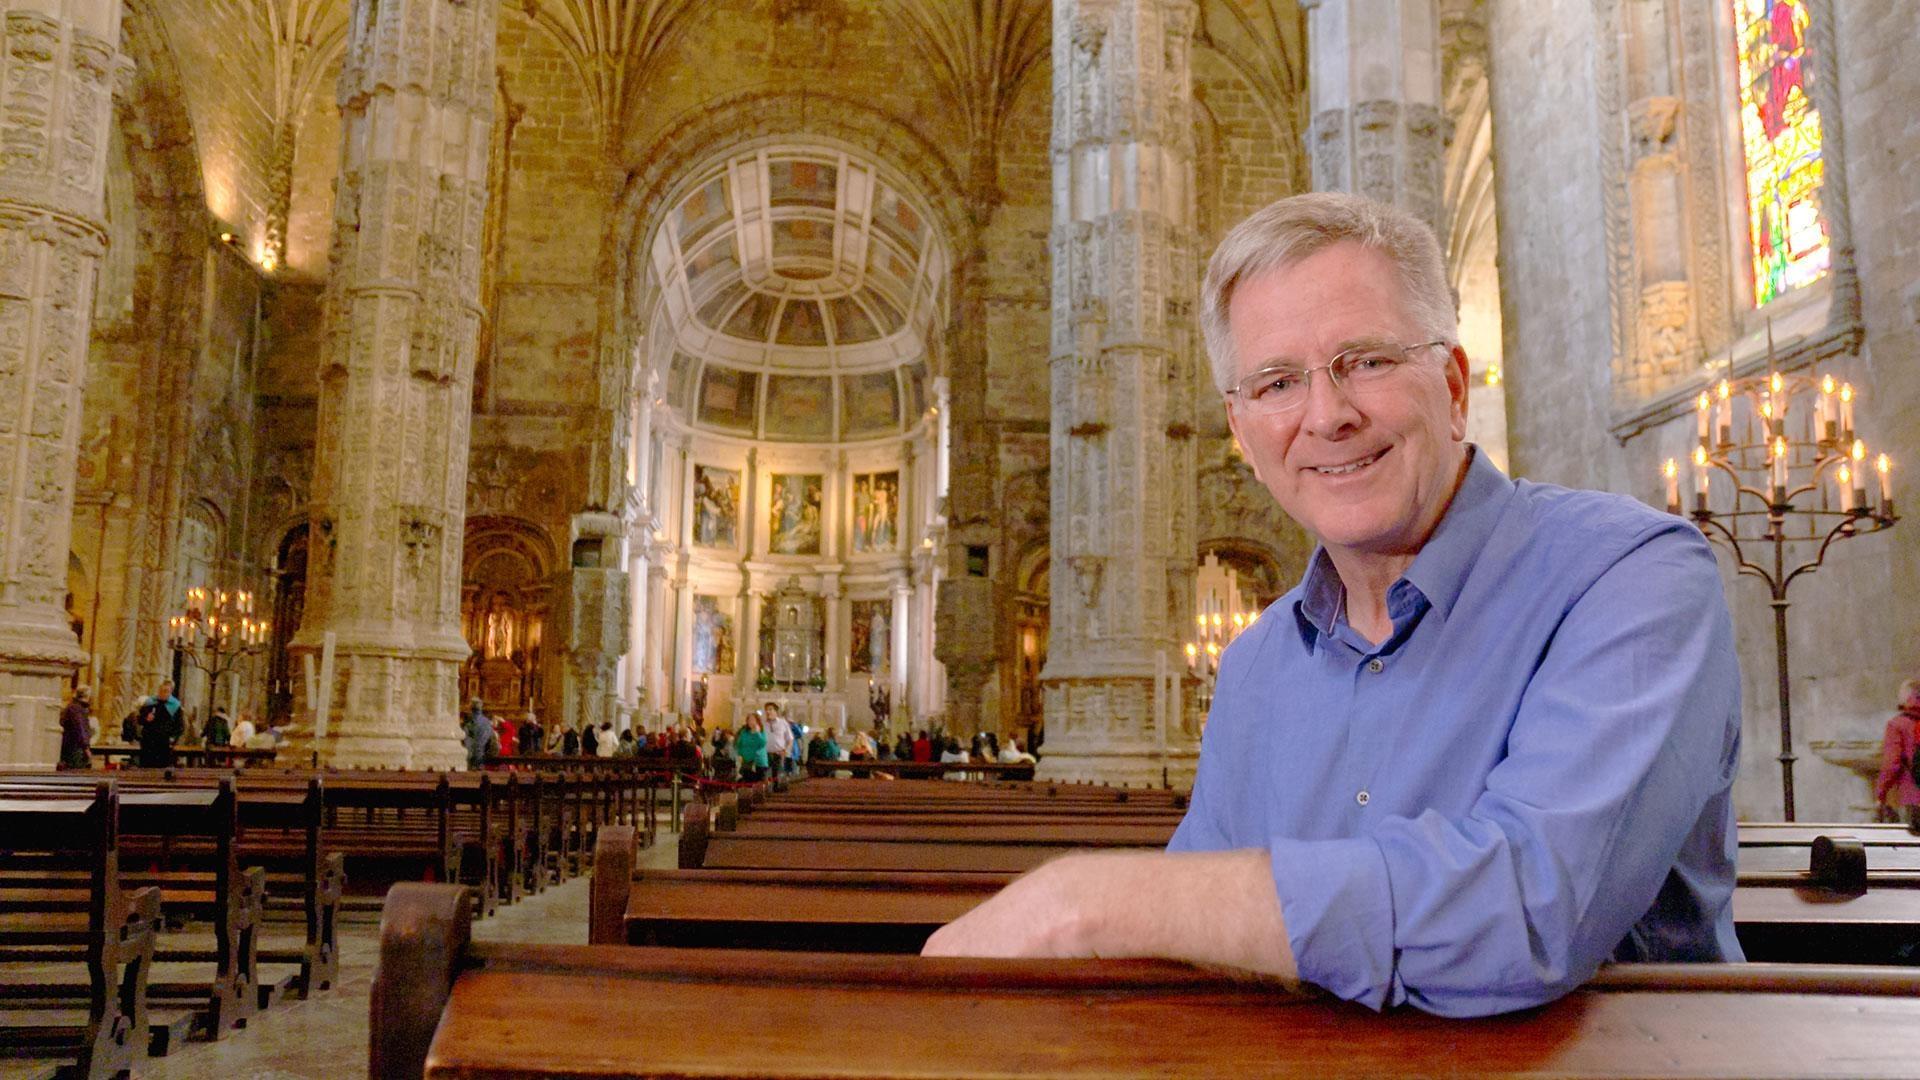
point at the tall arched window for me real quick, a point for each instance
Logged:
(1781, 142)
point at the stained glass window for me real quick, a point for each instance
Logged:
(1780, 136)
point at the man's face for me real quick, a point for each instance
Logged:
(1405, 434)
(166, 690)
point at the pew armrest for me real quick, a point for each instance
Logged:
(424, 933)
(612, 883)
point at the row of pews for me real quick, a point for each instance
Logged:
(105, 875)
(782, 947)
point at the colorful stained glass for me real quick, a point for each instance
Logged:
(1780, 136)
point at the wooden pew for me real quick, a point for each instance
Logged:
(920, 770)
(441, 1003)
(61, 903)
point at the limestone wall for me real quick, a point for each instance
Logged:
(1561, 193)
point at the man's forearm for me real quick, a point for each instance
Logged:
(1216, 908)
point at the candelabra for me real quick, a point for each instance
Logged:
(1221, 616)
(215, 630)
(1793, 486)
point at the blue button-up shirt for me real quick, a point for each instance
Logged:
(1531, 775)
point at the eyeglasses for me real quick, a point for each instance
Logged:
(1282, 388)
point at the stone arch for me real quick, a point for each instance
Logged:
(140, 366)
(508, 570)
(1262, 578)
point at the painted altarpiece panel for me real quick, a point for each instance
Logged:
(876, 508)
(716, 507)
(713, 641)
(871, 647)
(793, 516)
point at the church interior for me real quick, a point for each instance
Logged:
(637, 364)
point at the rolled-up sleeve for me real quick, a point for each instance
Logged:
(1628, 727)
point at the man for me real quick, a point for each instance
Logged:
(75, 732)
(159, 726)
(1509, 711)
(244, 732)
(532, 736)
(779, 741)
(476, 734)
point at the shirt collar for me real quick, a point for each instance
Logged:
(1439, 571)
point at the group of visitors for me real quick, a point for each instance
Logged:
(157, 725)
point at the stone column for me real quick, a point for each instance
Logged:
(1666, 342)
(596, 619)
(746, 667)
(835, 638)
(1378, 126)
(58, 61)
(1124, 359)
(683, 636)
(402, 314)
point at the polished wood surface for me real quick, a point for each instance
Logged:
(644, 1012)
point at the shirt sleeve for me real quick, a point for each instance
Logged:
(1627, 729)
(1892, 758)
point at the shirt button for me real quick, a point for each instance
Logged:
(1363, 798)
(1376, 665)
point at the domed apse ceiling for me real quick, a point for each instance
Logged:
(796, 291)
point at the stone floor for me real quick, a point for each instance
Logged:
(325, 1038)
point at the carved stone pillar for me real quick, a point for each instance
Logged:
(596, 623)
(1123, 365)
(58, 61)
(746, 670)
(402, 313)
(1666, 341)
(1378, 126)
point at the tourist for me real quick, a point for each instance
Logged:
(922, 747)
(160, 727)
(1897, 791)
(626, 747)
(903, 747)
(1011, 754)
(532, 738)
(75, 732)
(589, 740)
(953, 754)
(1444, 831)
(750, 747)
(779, 740)
(243, 732)
(569, 742)
(218, 732)
(509, 735)
(607, 742)
(477, 735)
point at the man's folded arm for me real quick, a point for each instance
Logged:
(1627, 729)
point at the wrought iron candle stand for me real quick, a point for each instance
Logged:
(215, 631)
(1801, 490)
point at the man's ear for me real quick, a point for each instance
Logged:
(1457, 383)
(1233, 425)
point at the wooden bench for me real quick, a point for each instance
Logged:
(920, 770)
(85, 921)
(440, 1003)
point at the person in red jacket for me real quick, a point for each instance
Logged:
(922, 747)
(1896, 784)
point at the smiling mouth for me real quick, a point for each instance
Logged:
(1350, 467)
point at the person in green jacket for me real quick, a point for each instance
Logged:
(750, 746)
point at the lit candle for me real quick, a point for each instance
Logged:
(1823, 410)
(1700, 476)
(1672, 473)
(1846, 411)
(1779, 470)
(1844, 478)
(1723, 413)
(1706, 420)
(1884, 464)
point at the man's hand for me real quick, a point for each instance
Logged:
(1215, 908)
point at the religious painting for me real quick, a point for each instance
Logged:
(876, 511)
(727, 397)
(716, 507)
(870, 405)
(799, 407)
(712, 636)
(793, 520)
(1783, 145)
(872, 648)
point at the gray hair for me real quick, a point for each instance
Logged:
(1286, 232)
(1909, 691)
